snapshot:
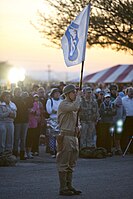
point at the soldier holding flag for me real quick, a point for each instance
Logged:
(74, 46)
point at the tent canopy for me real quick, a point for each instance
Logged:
(118, 73)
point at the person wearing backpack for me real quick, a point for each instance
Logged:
(52, 105)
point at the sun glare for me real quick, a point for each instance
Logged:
(16, 74)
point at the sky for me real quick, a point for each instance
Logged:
(22, 46)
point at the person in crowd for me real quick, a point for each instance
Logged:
(107, 111)
(34, 89)
(52, 107)
(100, 98)
(43, 99)
(113, 91)
(88, 115)
(127, 102)
(67, 140)
(119, 119)
(7, 115)
(42, 96)
(61, 86)
(121, 94)
(97, 91)
(106, 90)
(23, 102)
(113, 95)
(33, 134)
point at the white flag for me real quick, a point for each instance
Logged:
(74, 40)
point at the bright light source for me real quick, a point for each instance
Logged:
(16, 74)
(120, 123)
(112, 129)
(119, 130)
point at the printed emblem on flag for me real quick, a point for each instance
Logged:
(72, 37)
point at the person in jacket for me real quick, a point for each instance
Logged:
(127, 134)
(88, 115)
(33, 134)
(67, 141)
(7, 115)
(23, 102)
(119, 119)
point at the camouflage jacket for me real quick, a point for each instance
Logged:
(88, 110)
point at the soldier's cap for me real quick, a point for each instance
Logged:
(88, 89)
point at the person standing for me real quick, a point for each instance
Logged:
(52, 107)
(33, 133)
(107, 111)
(127, 102)
(67, 141)
(118, 119)
(23, 102)
(7, 114)
(43, 130)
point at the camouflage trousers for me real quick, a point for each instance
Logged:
(88, 135)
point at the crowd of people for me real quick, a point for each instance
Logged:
(105, 119)
(70, 120)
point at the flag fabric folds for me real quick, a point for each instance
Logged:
(74, 40)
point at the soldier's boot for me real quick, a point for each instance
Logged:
(69, 184)
(22, 153)
(64, 191)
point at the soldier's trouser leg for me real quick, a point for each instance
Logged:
(63, 185)
(69, 183)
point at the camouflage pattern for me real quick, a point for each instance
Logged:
(7, 159)
(88, 115)
(93, 153)
(88, 110)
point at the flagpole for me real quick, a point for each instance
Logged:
(81, 76)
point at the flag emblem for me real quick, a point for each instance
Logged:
(72, 37)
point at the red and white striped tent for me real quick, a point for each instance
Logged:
(118, 73)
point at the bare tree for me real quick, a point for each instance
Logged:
(111, 22)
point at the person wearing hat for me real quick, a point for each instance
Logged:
(88, 115)
(67, 141)
(52, 105)
(97, 92)
(107, 112)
